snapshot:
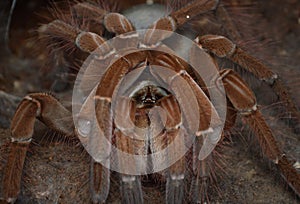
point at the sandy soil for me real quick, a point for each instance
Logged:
(57, 170)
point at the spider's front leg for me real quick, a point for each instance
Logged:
(48, 110)
(208, 131)
(171, 140)
(131, 141)
(130, 185)
(244, 101)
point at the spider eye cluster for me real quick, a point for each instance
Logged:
(148, 96)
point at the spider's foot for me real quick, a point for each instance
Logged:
(131, 190)
(175, 189)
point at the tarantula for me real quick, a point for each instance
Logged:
(167, 106)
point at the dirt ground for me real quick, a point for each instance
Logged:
(57, 170)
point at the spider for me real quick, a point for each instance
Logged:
(167, 108)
